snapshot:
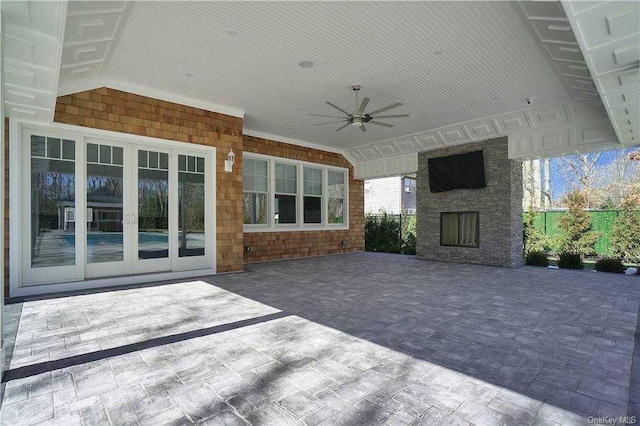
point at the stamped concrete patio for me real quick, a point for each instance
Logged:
(357, 339)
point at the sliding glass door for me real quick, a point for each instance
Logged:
(50, 240)
(151, 242)
(193, 236)
(100, 208)
(107, 196)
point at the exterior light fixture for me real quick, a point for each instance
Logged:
(228, 163)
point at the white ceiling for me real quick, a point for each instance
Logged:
(245, 55)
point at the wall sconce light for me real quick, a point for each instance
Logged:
(228, 163)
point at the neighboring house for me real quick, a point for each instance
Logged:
(393, 195)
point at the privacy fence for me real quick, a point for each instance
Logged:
(601, 222)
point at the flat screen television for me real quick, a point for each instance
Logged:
(463, 171)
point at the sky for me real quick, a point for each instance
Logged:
(559, 184)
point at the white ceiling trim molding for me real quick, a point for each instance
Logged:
(550, 28)
(545, 131)
(172, 97)
(608, 33)
(82, 86)
(395, 166)
(33, 38)
(291, 141)
(517, 122)
(93, 30)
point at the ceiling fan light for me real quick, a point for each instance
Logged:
(357, 122)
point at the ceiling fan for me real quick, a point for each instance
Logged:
(359, 117)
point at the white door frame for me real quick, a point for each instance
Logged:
(80, 134)
(105, 269)
(36, 276)
(141, 266)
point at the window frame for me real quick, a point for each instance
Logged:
(459, 213)
(260, 226)
(322, 196)
(271, 226)
(345, 198)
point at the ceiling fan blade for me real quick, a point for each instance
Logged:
(396, 105)
(322, 115)
(391, 116)
(339, 109)
(340, 128)
(362, 106)
(378, 123)
(364, 129)
(329, 122)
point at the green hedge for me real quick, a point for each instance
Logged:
(390, 233)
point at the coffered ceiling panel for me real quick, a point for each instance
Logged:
(92, 31)
(447, 62)
(608, 33)
(32, 38)
(550, 27)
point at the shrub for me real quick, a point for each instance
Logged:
(536, 258)
(625, 235)
(534, 240)
(409, 244)
(610, 265)
(408, 233)
(569, 260)
(382, 233)
(577, 236)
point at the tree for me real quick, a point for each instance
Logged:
(625, 237)
(582, 171)
(576, 224)
(619, 176)
(604, 177)
(534, 240)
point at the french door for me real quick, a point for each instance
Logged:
(103, 208)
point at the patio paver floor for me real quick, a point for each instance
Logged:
(357, 339)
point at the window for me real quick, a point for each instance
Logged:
(286, 193)
(409, 185)
(460, 229)
(336, 192)
(312, 195)
(255, 177)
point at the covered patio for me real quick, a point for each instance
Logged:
(364, 338)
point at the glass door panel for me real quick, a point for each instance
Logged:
(107, 215)
(153, 205)
(53, 188)
(191, 206)
(50, 239)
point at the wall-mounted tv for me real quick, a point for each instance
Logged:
(457, 172)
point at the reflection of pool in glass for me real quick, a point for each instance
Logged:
(116, 238)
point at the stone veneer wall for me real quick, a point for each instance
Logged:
(499, 205)
(283, 245)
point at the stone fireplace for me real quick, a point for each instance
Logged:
(488, 220)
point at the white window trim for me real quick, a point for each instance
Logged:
(300, 225)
